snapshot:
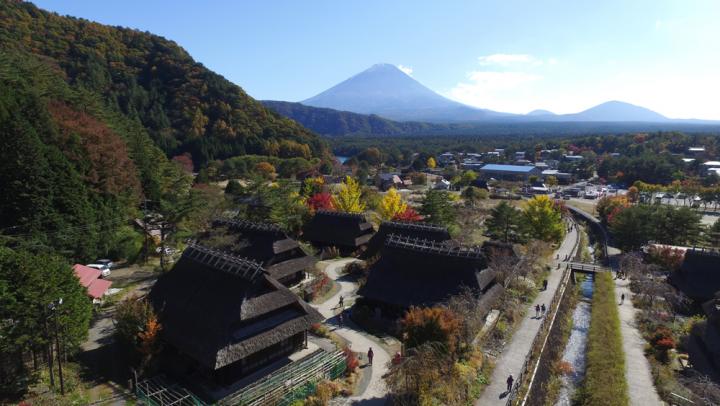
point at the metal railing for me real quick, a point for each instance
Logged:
(293, 382)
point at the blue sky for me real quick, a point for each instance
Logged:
(506, 55)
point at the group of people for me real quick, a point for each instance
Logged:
(540, 310)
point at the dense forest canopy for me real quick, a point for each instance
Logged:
(184, 106)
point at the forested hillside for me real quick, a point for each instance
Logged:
(336, 123)
(91, 114)
(183, 106)
(71, 171)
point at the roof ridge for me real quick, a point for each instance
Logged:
(342, 214)
(223, 261)
(414, 225)
(424, 245)
(250, 225)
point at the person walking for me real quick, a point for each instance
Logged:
(537, 311)
(622, 299)
(370, 356)
(542, 309)
(341, 304)
(510, 381)
(544, 284)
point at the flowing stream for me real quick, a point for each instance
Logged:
(574, 354)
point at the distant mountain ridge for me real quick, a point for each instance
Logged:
(334, 123)
(388, 92)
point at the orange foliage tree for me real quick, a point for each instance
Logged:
(265, 169)
(103, 154)
(149, 340)
(431, 324)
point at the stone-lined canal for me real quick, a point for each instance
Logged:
(574, 354)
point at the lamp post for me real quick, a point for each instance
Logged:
(53, 306)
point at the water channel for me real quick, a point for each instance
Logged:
(575, 349)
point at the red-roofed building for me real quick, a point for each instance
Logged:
(90, 279)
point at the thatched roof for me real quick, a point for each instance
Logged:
(424, 231)
(413, 272)
(219, 308)
(494, 247)
(699, 276)
(291, 266)
(343, 230)
(263, 242)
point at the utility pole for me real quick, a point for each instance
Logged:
(54, 308)
(49, 352)
(59, 353)
(145, 230)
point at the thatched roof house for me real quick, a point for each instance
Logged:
(493, 247)
(348, 232)
(699, 276)
(708, 333)
(224, 316)
(419, 231)
(266, 243)
(413, 272)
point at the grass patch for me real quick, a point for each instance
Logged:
(605, 382)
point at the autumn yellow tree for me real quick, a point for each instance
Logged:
(431, 163)
(544, 219)
(391, 205)
(348, 198)
(265, 169)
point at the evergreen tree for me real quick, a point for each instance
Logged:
(505, 223)
(437, 208)
(29, 283)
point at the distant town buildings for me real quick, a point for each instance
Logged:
(509, 172)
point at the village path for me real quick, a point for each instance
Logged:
(375, 394)
(513, 356)
(637, 368)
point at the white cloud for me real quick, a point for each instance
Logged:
(507, 59)
(495, 90)
(408, 70)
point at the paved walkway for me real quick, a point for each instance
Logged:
(637, 368)
(513, 356)
(375, 393)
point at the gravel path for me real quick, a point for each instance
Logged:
(375, 393)
(637, 368)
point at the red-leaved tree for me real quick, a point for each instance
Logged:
(408, 215)
(321, 201)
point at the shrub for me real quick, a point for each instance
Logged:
(431, 324)
(356, 269)
(351, 361)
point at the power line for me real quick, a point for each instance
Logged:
(81, 227)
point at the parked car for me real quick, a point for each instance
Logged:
(103, 268)
(107, 262)
(168, 250)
